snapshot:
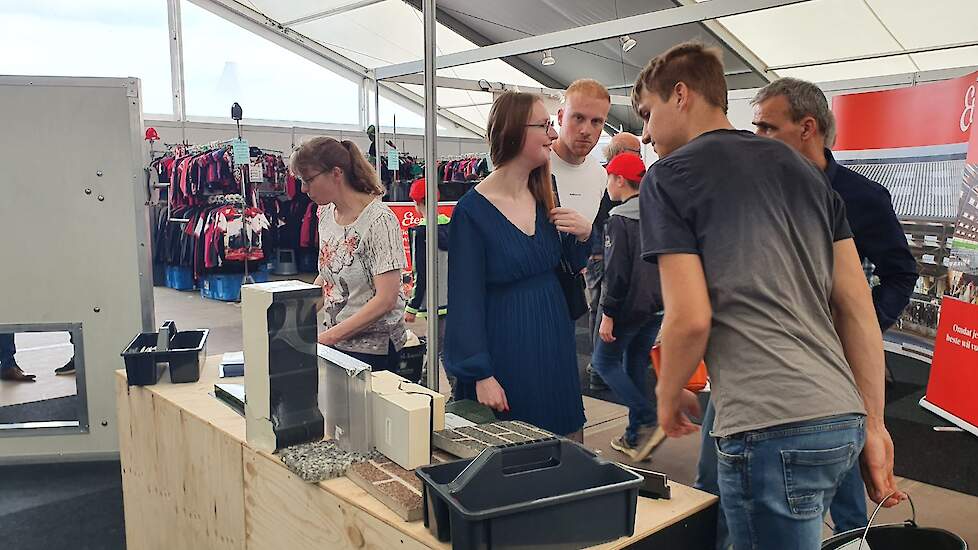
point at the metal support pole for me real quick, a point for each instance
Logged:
(377, 125)
(176, 60)
(431, 191)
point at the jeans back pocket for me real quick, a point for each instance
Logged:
(809, 474)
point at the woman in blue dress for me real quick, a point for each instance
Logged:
(510, 340)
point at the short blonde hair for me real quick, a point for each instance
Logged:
(588, 87)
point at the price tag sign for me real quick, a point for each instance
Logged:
(393, 161)
(256, 172)
(239, 147)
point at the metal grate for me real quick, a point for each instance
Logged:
(919, 189)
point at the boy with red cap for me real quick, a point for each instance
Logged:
(418, 305)
(630, 311)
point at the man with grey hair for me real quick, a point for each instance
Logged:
(622, 142)
(797, 113)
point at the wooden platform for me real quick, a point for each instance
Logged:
(190, 480)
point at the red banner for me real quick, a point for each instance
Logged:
(408, 216)
(953, 384)
(941, 113)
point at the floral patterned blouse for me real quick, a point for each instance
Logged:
(349, 258)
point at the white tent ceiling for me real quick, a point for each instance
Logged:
(812, 34)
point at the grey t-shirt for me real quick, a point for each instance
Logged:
(763, 221)
(349, 259)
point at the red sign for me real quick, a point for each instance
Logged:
(941, 113)
(953, 384)
(409, 217)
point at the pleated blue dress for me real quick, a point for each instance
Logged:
(508, 317)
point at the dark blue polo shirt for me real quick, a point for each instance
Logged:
(879, 238)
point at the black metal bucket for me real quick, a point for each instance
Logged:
(895, 536)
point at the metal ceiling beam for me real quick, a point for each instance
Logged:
(736, 46)
(529, 69)
(882, 55)
(662, 19)
(487, 86)
(299, 44)
(329, 13)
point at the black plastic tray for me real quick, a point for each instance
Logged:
(141, 367)
(551, 493)
(185, 354)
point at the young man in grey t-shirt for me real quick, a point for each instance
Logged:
(761, 278)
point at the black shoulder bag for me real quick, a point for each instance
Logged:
(571, 280)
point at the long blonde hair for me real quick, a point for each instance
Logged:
(321, 154)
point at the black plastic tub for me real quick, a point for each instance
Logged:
(552, 493)
(188, 350)
(141, 366)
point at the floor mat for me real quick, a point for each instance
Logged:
(59, 408)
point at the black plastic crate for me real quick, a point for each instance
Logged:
(141, 366)
(552, 493)
(149, 354)
(186, 356)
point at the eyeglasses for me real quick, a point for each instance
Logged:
(547, 126)
(306, 181)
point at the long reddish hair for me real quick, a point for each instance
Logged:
(507, 133)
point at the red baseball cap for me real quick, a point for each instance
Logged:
(417, 193)
(628, 166)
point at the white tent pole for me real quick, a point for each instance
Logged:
(431, 192)
(377, 125)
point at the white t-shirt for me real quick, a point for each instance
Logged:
(580, 186)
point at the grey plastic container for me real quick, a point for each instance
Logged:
(552, 493)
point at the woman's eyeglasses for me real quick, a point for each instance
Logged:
(547, 126)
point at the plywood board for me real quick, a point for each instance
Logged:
(285, 512)
(182, 479)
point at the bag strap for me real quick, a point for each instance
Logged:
(553, 183)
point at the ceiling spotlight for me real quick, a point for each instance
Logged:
(627, 42)
(548, 58)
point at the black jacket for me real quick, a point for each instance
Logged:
(879, 238)
(419, 255)
(630, 292)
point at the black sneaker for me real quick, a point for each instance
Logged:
(595, 382)
(68, 368)
(621, 445)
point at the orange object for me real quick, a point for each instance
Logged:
(698, 380)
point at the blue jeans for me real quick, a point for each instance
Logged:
(848, 508)
(706, 471)
(624, 366)
(777, 483)
(7, 350)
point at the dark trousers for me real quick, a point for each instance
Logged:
(391, 361)
(7, 350)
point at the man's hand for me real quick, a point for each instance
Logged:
(410, 317)
(674, 413)
(491, 394)
(876, 463)
(568, 220)
(607, 329)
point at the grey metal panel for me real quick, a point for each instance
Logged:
(919, 189)
(69, 256)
